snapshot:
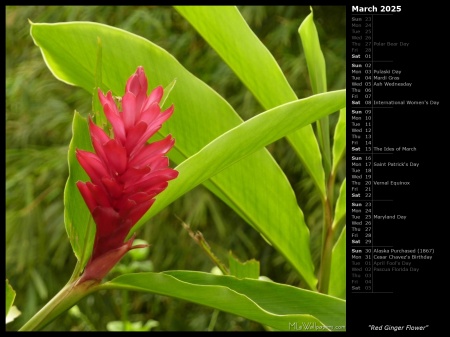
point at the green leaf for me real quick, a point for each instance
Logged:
(338, 275)
(99, 115)
(279, 306)
(167, 91)
(201, 115)
(11, 311)
(79, 224)
(240, 142)
(318, 77)
(224, 28)
(10, 296)
(247, 269)
(339, 140)
(341, 205)
(245, 139)
(313, 54)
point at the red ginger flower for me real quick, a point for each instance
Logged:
(126, 172)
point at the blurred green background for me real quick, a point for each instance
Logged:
(39, 111)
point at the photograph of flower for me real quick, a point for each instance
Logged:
(176, 168)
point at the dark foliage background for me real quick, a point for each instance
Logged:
(39, 111)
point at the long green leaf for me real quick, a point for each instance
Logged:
(252, 187)
(246, 138)
(224, 28)
(11, 311)
(318, 77)
(313, 54)
(279, 306)
(338, 274)
(341, 203)
(337, 285)
(9, 297)
(78, 221)
(240, 142)
(339, 144)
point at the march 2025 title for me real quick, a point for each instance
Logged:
(376, 9)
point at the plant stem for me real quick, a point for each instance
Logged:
(213, 321)
(70, 294)
(323, 130)
(325, 265)
(198, 237)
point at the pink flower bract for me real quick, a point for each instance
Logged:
(126, 172)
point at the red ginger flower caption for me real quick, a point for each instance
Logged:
(126, 172)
